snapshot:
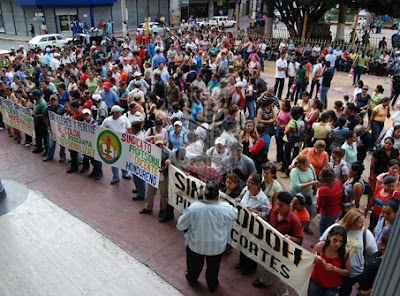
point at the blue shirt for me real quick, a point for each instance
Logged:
(208, 224)
(157, 59)
(196, 108)
(109, 98)
(152, 49)
(177, 140)
(64, 97)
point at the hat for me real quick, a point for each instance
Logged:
(139, 95)
(220, 140)
(239, 84)
(116, 108)
(358, 129)
(178, 122)
(137, 74)
(12, 48)
(138, 116)
(96, 97)
(53, 97)
(56, 55)
(86, 111)
(158, 139)
(36, 92)
(21, 46)
(48, 49)
(107, 84)
(331, 51)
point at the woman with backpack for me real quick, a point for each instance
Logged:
(360, 244)
(332, 263)
(354, 187)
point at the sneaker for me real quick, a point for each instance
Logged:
(128, 177)
(1, 128)
(47, 158)
(98, 177)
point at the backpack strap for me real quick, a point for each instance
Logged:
(364, 246)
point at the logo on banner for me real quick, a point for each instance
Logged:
(109, 147)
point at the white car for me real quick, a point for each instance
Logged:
(219, 20)
(42, 41)
(154, 27)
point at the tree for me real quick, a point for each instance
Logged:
(389, 7)
(293, 12)
(270, 17)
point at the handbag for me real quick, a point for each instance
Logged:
(296, 136)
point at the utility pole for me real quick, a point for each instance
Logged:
(303, 33)
(237, 15)
(353, 37)
(146, 16)
(253, 12)
(124, 15)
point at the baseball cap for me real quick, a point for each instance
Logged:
(239, 84)
(56, 55)
(116, 108)
(86, 111)
(138, 116)
(53, 97)
(137, 74)
(158, 139)
(178, 122)
(220, 140)
(107, 84)
(36, 92)
(96, 97)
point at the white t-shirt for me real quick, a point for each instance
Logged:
(120, 125)
(280, 63)
(316, 68)
(355, 247)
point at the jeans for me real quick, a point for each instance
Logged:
(41, 135)
(140, 185)
(270, 53)
(252, 109)
(324, 95)
(315, 289)
(312, 209)
(194, 266)
(357, 74)
(377, 128)
(262, 58)
(300, 88)
(325, 221)
(52, 148)
(115, 172)
(343, 65)
(278, 88)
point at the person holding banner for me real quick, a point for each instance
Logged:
(75, 115)
(120, 124)
(283, 219)
(252, 197)
(97, 172)
(40, 127)
(207, 224)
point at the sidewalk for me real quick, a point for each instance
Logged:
(10, 37)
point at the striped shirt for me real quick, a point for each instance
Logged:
(208, 224)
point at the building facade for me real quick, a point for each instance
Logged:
(17, 15)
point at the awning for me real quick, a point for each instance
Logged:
(64, 3)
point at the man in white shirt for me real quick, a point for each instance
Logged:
(280, 74)
(55, 61)
(199, 82)
(261, 49)
(316, 76)
(119, 124)
(208, 224)
(163, 73)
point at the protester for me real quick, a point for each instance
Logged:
(205, 240)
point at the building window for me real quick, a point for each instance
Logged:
(67, 22)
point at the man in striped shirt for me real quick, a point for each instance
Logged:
(207, 224)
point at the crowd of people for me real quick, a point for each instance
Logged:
(198, 94)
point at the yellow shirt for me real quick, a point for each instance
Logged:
(321, 131)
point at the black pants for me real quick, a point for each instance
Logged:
(278, 88)
(315, 82)
(394, 95)
(287, 160)
(279, 145)
(28, 138)
(246, 264)
(347, 285)
(1, 120)
(74, 160)
(41, 135)
(97, 165)
(373, 220)
(194, 265)
(289, 96)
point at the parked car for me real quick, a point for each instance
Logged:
(217, 21)
(154, 27)
(88, 37)
(43, 41)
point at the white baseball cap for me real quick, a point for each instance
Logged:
(86, 111)
(220, 140)
(96, 97)
(117, 108)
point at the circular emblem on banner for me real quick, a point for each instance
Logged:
(109, 147)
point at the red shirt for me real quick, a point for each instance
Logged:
(139, 39)
(84, 77)
(327, 279)
(330, 199)
(304, 216)
(142, 54)
(379, 200)
(290, 225)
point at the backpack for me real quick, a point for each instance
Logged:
(295, 136)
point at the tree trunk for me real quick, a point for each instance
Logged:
(270, 17)
(341, 22)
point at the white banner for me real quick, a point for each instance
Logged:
(18, 117)
(124, 151)
(251, 235)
